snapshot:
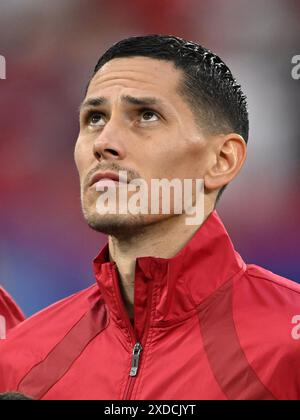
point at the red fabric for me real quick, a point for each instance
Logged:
(9, 310)
(210, 327)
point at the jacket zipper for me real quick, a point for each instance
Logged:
(136, 353)
(135, 359)
(137, 346)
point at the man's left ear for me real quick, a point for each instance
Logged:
(230, 152)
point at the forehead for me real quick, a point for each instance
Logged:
(143, 74)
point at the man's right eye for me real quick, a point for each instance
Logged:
(95, 119)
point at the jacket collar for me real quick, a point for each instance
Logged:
(174, 287)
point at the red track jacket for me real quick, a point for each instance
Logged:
(207, 326)
(10, 314)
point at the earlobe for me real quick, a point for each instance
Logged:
(230, 154)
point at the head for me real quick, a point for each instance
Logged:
(160, 107)
(9, 396)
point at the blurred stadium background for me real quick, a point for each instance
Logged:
(51, 48)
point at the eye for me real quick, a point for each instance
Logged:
(95, 119)
(148, 115)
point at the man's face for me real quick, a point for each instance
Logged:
(134, 118)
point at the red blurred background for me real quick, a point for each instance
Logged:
(51, 48)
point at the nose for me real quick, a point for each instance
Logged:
(109, 144)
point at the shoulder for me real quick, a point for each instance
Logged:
(264, 289)
(270, 297)
(32, 340)
(56, 318)
(266, 310)
(282, 284)
(68, 309)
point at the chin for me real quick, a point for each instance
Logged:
(114, 224)
(120, 225)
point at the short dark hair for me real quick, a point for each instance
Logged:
(208, 84)
(10, 396)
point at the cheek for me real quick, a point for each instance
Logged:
(186, 157)
(195, 151)
(81, 155)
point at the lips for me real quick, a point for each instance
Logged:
(107, 175)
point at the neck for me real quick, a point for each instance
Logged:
(164, 239)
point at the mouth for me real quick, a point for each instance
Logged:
(103, 177)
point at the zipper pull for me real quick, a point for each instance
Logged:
(135, 359)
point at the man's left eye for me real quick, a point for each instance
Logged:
(149, 116)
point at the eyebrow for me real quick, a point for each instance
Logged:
(142, 101)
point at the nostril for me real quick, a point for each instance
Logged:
(100, 151)
(112, 151)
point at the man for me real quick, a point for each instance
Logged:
(10, 314)
(175, 312)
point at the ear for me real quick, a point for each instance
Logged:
(230, 152)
